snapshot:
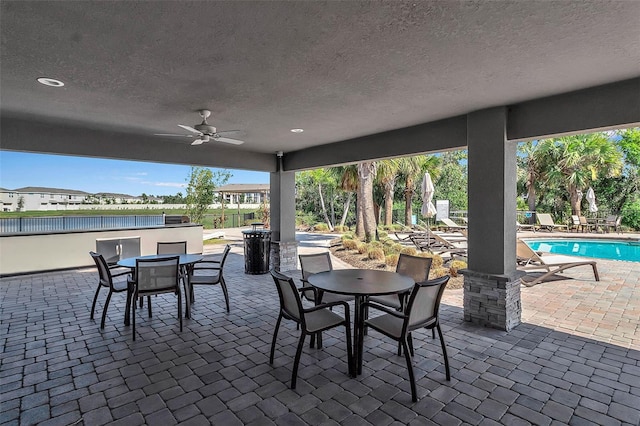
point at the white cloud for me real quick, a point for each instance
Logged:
(167, 184)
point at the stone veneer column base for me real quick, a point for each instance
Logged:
(284, 255)
(492, 300)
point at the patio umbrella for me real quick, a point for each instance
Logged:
(428, 209)
(591, 198)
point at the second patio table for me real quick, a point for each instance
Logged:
(185, 260)
(360, 283)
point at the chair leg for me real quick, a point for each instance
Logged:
(410, 340)
(296, 361)
(433, 333)
(149, 305)
(350, 362)
(412, 379)
(133, 319)
(224, 290)
(179, 307)
(127, 314)
(187, 299)
(444, 352)
(104, 310)
(95, 300)
(275, 336)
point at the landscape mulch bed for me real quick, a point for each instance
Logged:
(360, 261)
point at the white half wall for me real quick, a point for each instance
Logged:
(64, 250)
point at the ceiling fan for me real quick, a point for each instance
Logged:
(204, 132)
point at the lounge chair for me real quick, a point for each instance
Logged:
(612, 221)
(403, 235)
(442, 244)
(529, 260)
(450, 224)
(525, 227)
(546, 222)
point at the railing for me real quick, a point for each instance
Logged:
(12, 225)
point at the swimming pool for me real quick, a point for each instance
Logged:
(599, 249)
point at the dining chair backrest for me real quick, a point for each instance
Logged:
(290, 301)
(575, 220)
(415, 267)
(424, 302)
(104, 272)
(225, 253)
(157, 275)
(313, 264)
(172, 247)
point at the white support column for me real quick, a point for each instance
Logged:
(284, 249)
(492, 284)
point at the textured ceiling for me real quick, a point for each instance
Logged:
(339, 70)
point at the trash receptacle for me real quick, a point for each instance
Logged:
(257, 247)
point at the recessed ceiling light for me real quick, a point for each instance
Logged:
(50, 82)
(297, 130)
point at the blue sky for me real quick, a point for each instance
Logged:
(20, 169)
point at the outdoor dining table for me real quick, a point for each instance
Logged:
(360, 283)
(185, 261)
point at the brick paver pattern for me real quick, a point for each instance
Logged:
(575, 359)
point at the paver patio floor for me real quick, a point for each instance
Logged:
(575, 359)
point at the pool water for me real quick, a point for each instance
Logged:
(599, 249)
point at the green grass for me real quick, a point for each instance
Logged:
(215, 241)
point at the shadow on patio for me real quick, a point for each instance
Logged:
(58, 367)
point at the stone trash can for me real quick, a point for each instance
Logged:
(257, 247)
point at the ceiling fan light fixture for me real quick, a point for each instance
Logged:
(297, 130)
(50, 82)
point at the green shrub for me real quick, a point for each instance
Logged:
(455, 266)
(397, 247)
(392, 259)
(438, 272)
(409, 250)
(376, 253)
(347, 236)
(321, 227)
(341, 228)
(375, 244)
(388, 242)
(362, 248)
(631, 215)
(382, 235)
(350, 244)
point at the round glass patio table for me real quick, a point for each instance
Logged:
(185, 260)
(360, 283)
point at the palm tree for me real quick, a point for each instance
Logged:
(578, 160)
(366, 175)
(347, 177)
(410, 169)
(387, 174)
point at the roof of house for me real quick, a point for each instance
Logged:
(41, 189)
(244, 187)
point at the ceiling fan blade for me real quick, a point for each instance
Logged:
(189, 128)
(173, 134)
(197, 142)
(220, 132)
(229, 140)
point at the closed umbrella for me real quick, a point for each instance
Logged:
(428, 209)
(591, 198)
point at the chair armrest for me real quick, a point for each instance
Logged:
(201, 267)
(309, 288)
(345, 305)
(119, 274)
(383, 309)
